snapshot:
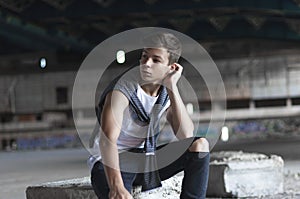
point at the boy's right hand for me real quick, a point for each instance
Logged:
(119, 192)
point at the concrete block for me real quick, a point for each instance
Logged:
(232, 174)
(238, 174)
(79, 188)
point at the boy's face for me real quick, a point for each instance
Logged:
(154, 65)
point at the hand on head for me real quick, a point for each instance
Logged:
(173, 76)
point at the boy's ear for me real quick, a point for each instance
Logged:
(172, 66)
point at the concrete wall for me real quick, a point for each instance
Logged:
(31, 93)
(253, 78)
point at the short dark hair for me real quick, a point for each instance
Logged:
(167, 41)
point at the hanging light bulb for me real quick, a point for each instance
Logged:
(225, 134)
(120, 56)
(43, 62)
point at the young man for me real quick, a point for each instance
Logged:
(129, 116)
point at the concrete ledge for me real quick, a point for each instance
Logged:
(232, 174)
(80, 188)
(66, 189)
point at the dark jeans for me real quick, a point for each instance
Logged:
(194, 164)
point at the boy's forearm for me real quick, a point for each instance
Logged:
(113, 176)
(181, 121)
(110, 160)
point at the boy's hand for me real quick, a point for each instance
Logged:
(174, 75)
(119, 193)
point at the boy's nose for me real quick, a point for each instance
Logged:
(148, 62)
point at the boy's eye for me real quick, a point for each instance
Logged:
(156, 60)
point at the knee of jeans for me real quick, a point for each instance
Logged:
(200, 145)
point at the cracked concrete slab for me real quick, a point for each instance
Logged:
(232, 174)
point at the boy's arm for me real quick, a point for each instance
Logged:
(111, 122)
(177, 114)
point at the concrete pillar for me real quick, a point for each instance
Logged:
(251, 105)
(289, 103)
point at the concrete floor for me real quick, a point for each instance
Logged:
(21, 169)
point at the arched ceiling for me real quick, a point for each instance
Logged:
(76, 26)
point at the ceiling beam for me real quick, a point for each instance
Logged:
(34, 37)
